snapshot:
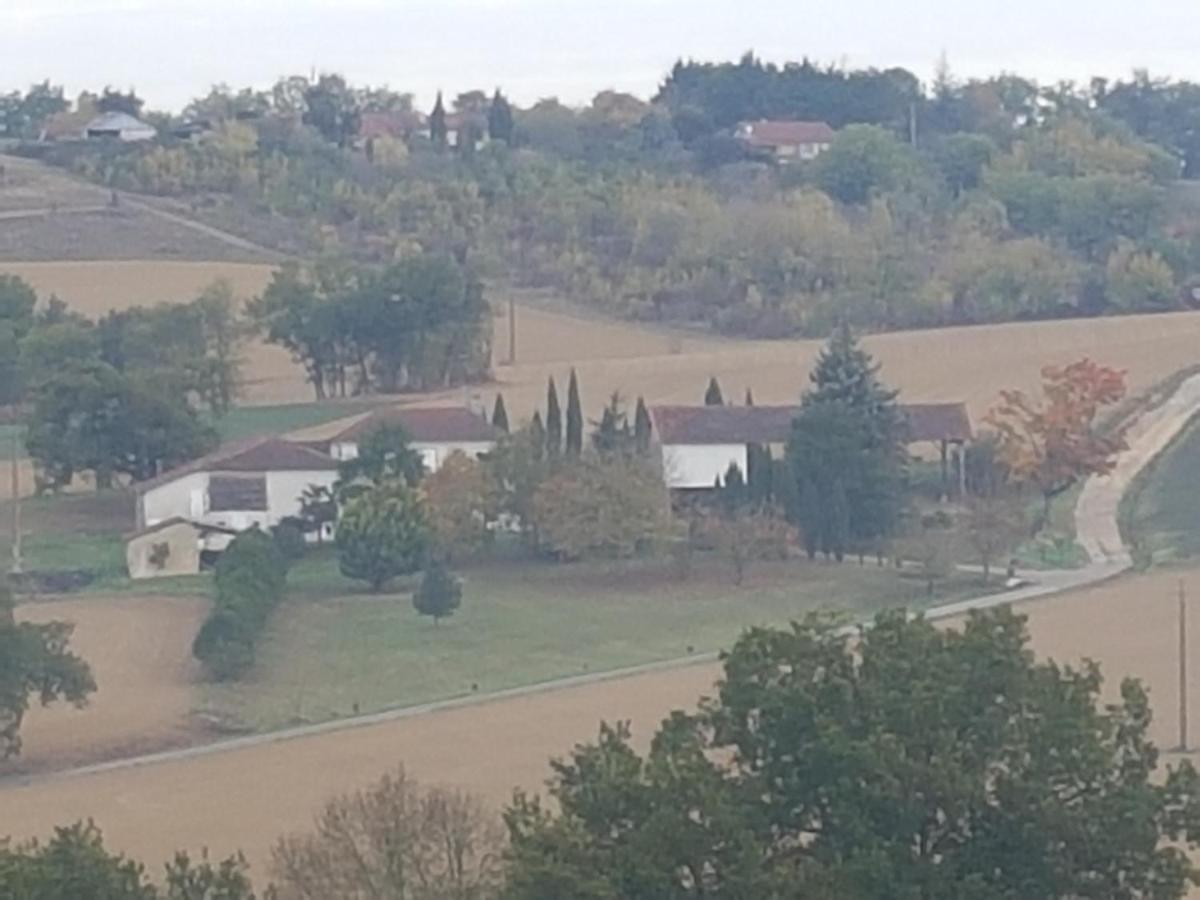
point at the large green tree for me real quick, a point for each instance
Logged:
(35, 661)
(92, 418)
(383, 533)
(910, 762)
(847, 452)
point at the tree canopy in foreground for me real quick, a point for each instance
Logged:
(911, 762)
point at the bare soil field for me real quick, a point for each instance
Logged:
(140, 652)
(969, 363)
(244, 798)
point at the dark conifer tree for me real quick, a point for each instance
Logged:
(537, 435)
(642, 427)
(554, 422)
(438, 133)
(500, 414)
(749, 398)
(712, 396)
(574, 417)
(500, 119)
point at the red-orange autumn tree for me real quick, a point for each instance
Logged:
(1053, 443)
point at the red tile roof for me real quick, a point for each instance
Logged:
(432, 425)
(773, 424)
(389, 124)
(260, 454)
(779, 133)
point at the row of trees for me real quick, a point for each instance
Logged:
(129, 395)
(419, 323)
(904, 761)
(250, 580)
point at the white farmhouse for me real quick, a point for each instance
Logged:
(434, 432)
(699, 443)
(256, 482)
(786, 141)
(119, 126)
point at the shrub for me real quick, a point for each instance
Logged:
(439, 593)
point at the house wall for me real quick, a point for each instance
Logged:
(699, 465)
(183, 552)
(174, 499)
(284, 490)
(187, 498)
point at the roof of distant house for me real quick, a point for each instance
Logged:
(431, 425)
(118, 121)
(782, 133)
(260, 454)
(773, 424)
(201, 527)
(389, 124)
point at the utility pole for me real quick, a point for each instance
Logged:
(16, 502)
(1183, 682)
(512, 331)
(912, 124)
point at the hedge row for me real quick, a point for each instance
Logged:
(251, 576)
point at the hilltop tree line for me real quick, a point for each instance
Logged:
(1016, 201)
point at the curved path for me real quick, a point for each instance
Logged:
(242, 793)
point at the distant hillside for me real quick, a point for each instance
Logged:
(49, 215)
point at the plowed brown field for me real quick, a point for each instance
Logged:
(244, 798)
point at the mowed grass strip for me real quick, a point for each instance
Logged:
(518, 625)
(1161, 513)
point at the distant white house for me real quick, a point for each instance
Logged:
(787, 140)
(252, 483)
(434, 432)
(698, 444)
(119, 126)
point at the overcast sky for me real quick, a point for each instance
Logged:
(172, 50)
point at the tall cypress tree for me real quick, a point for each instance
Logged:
(437, 124)
(749, 398)
(642, 427)
(712, 396)
(574, 417)
(500, 414)
(537, 435)
(554, 424)
(500, 119)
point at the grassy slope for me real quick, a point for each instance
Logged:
(1160, 515)
(333, 647)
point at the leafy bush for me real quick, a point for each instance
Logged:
(439, 593)
(250, 579)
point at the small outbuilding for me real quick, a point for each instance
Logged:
(174, 546)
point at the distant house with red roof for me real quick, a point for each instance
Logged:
(699, 443)
(786, 140)
(434, 432)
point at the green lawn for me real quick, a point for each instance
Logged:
(248, 421)
(332, 647)
(1160, 515)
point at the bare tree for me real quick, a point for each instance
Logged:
(396, 840)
